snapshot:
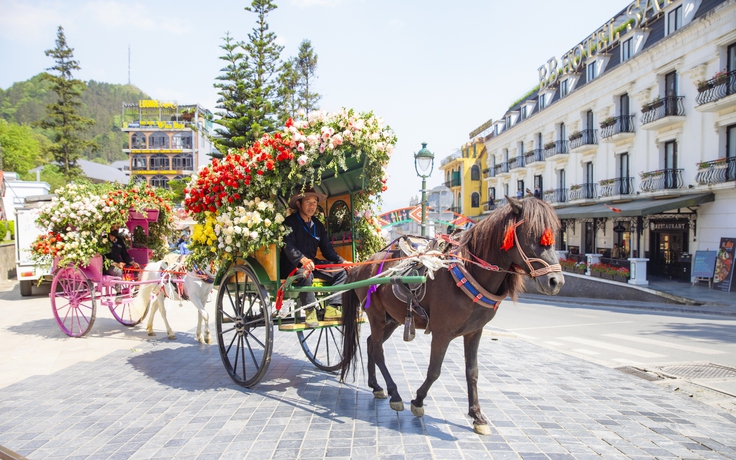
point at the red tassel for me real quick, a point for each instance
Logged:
(548, 238)
(508, 238)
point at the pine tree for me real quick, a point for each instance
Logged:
(287, 90)
(63, 116)
(233, 90)
(263, 63)
(306, 65)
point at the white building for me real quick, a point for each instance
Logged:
(631, 135)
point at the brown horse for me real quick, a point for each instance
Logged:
(518, 239)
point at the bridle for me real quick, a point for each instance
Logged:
(533, 273)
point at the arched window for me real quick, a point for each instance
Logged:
(160, 181)
(138, 141)
(159, 161)
(475, 200)
(139, 162)
(158, 141)
(183, 161)
(140, 179)
(475, 172)
(181, 141)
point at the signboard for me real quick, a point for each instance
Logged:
(705, 264)
(723, 275)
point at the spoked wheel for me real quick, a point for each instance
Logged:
(323, 346)
(73, 301)
(128, 310)
(244, 326)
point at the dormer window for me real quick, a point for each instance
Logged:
(523, 112)
(541, 101)
(591, 70)
(674, 20)
(563, 88)
(627, 48)
(508, 121)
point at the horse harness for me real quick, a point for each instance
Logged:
(175, 276)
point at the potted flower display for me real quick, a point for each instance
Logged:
(621, 274)
(549, 145)
(610, 121)
(575, 135)
(720, 77)
(703, 86)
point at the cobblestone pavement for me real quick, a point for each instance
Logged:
(161, 399)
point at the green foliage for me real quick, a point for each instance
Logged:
(287, 91)
(21, 149)
(233, 89)
(11, 229)
(63, 116)
(3, 229)
(176, 190)
(306, 65)
(52, 175)
(526, 95)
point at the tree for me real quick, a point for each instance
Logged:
(63, 116)
(233, 101)
(306, 65)
(263, 58)
(287, 90)
(20, 147)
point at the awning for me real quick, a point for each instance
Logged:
(634, 208)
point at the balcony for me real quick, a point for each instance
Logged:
(663, 113)
(717, 93)
(534, 156)
(661, 179)
(555, 148)
(553, 196)
(716, 171)
(586, 191)
(488, 207)
(501, 168)
(584, 141)
(616, 187)
(516, 163)
(621, 128)
(489, 173)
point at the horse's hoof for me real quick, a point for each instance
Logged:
(483, 430)
(379, 394)
(398, 406)
(417, 411)
(208, 341)
(172, 337)
(151, 333)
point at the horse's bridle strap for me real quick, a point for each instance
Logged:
(533, 273)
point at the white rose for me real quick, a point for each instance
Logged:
(254, 235)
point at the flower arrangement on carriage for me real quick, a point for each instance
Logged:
(77, 220)
(239, 201)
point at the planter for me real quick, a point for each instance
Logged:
(620, 279)
(150, 214)
(656, 105)
(596, 274)
(606, 276)
(580, 271)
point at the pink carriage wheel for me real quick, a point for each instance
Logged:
(124, 310)
(73, 302)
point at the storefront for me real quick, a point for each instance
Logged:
(668, 241)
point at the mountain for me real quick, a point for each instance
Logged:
(25, 103)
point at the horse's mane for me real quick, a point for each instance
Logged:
(486, 238)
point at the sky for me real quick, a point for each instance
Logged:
(434, 70)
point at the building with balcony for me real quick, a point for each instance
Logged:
(630, 135)
(463, 172)
(165, 140)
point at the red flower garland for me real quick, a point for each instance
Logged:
(548, 238)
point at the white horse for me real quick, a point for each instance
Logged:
(170, 274)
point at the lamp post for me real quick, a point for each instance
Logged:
(423, 164)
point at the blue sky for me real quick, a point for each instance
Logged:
(435, 70)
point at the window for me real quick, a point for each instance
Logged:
(505, 155)
(139, 162)
(540, 101)
(183, 161)
(519, 189)
(540, 145)
(138, 141)
(159, 161)
(674, 20)
(563, 88)
(561, 179)
(731, 58)
(506, 189)
(731, 141)
(589, 120)
(523, 112)
(622, 181)
(591, 71)
(138, 179)
(475, 172)
(670, 164)
(158, 141)
(562, 131)
(670, 92)
(508, 121)
(181, 141)
(475, 200)
(492, 193)
(160, 181)
(538, 186)
(627, 49)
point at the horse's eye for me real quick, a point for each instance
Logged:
(548, 238)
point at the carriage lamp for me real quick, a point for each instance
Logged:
(423, 164)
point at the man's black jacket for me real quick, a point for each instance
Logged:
(118, 253)
(304, 242)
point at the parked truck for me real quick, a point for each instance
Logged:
(26, 232)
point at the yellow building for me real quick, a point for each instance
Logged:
(166, 140)
(463, 176)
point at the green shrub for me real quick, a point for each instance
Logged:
(3, 229)
(11, 229)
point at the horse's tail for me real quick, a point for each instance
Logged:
(351, 333)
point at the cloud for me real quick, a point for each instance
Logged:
(32, 23)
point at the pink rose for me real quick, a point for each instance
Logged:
(302, 160)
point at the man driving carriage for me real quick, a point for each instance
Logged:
(300, 251)
(118, 254)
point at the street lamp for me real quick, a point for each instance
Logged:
(423, 164)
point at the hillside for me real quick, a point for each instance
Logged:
(25, 103)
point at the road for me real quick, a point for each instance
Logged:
(691, 352)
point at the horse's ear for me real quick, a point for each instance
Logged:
(515, 205)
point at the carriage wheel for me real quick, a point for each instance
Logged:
(73, 301)
(244, 326)
(128, 313)
(323, 346)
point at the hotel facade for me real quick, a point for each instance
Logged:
(631, 136)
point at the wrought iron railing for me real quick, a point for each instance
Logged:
(662, 179)
(534, 155)
(560, 147)
(489, 172)
(716, 171)
(586, 191)
(716, 88)
(488, 206)
(623, 124)
(587, 137)
(502, 168)
(617, 186)
(558, 195)
(665, 107)
(517, 162)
